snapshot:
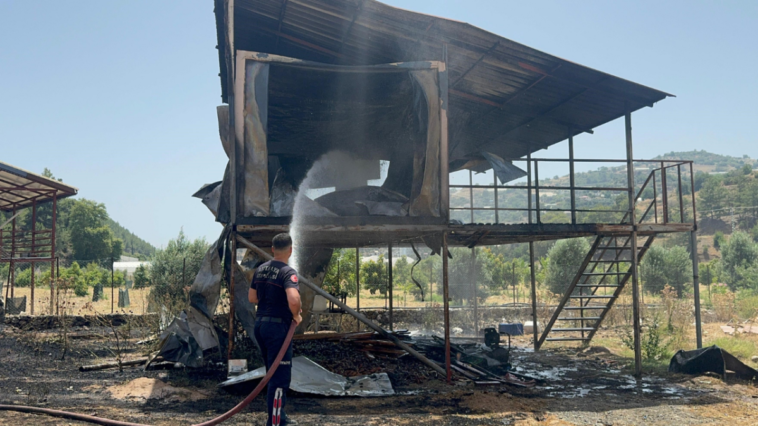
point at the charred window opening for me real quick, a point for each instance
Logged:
(311, 126)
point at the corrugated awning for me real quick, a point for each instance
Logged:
(505, 98)
(19, 188)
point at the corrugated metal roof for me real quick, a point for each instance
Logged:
(505, 97)
(19, 188)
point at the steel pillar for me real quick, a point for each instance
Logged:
(446, 305)
(635, 254)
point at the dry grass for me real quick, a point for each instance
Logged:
(84, 305)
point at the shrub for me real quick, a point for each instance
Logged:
(564, 260)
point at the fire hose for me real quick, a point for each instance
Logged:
(108, 422)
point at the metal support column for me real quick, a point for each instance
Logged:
(13, 254)
(446, 306)
(232, 270)
(52, 251)
(635, 254)
(534, 294)
(390, 281)
(572, 183)
(358, 279)
(33, 252)
(474, 276)
(696, 287)
(112, 294)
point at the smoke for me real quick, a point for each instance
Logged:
(335, 169)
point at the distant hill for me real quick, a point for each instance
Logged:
(615, 176)
(133, 245)
(709, 162)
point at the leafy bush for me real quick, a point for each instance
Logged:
(166, 271)
(739, 258)
(747, 304)
(651, 340)
(564, 260)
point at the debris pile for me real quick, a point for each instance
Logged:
(363, 353)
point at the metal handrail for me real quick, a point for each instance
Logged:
(536, 187)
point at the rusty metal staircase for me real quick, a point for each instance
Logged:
(606, 269)
(604, 272)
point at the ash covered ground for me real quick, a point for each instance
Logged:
(588, 387)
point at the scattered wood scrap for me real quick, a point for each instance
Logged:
(107, 365)
(370, 342)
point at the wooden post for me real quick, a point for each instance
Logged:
(358, 279)
(696, 287)
(634, 254)
(446, 304)
(389, 281)
(534, 294)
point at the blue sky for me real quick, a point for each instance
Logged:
(118, 97)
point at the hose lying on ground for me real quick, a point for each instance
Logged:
(109, 422)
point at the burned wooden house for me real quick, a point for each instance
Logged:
(325, 93)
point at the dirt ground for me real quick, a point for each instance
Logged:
(580, 388)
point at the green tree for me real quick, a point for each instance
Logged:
(739, 256)
(711, 196)
(718, 240)
(166, 268)
(75, 274)
(374, 275)
(564, 260)
(678, 268)
(653, 269)
(141, 277)
(463, 273)
(91, 239)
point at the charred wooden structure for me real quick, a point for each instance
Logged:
(346, 85)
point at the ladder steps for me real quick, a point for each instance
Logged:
(573, 329)
(577, 308)
(592, 297)
(578, 319)
(564, 339)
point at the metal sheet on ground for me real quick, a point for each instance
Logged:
(309, 377)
